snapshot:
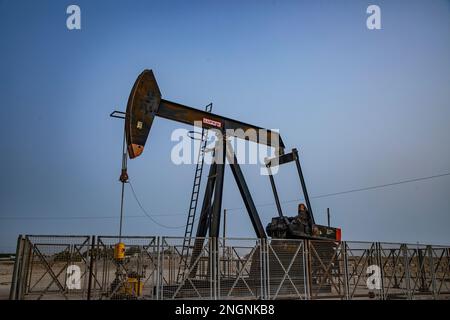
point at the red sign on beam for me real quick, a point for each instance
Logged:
(213, 123)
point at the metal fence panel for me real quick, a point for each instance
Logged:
(325, 264)
(286, 269)
(240, 269)
(51, 264)
(227, 268)
(196, 281)
(440, 271)
(361, 258)
(420, 268)
(131, 278)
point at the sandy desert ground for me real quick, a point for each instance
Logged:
(6, 270)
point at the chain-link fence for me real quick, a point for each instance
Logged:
(45, 267)
(133, 277)
(193, 280)
(286, 269)
(86, 267)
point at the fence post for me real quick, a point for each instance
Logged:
(158, 285)
(218, 264)
(267, 248)
(346, 278)
(260, 242)
(306, 244)
(216, 268)
(264, 276)
(91, 266)
(305, 273)
(380, 265)
(24, 268)
(17, 262)
(212, 269)
(407, 271)
(433, 275)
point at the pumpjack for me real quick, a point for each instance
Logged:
(145, 103)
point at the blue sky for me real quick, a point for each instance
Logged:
(364, 107)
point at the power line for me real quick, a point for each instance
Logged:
(349, 191)
(149, 216)
(83, 217)
(382, 185)
(146, 215)
(228, 209)
(86, 217)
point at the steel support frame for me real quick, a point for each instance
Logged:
(245, 192)
(286, 158)
(212, 202)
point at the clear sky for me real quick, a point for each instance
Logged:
(364, 107)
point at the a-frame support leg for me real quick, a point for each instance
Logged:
(245, 192)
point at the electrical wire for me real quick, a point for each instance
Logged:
(236, 208)
(149, 216)
(348, 191)
(86, 217)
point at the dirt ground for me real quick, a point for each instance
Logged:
(6, 271)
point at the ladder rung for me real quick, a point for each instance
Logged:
(194, 198)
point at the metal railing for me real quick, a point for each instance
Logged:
(84, 267)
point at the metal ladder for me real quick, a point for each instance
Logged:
(193, 203)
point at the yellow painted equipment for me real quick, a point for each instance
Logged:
(133, 287)
(119, 251)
